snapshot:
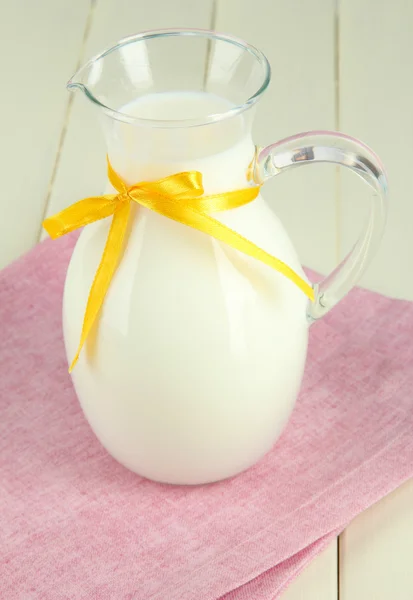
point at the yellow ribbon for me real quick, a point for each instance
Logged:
(178, 197)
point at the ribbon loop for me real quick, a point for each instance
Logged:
(116, 181)
(80, 214)
(181, 186)
(178, 197)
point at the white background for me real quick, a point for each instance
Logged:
(337, 64)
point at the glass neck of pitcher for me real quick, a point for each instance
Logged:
(175, 96)
(144, 152)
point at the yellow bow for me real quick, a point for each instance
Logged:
(178, 197)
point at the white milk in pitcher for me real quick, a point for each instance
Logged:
(193, 368)
(177, 106)
(221, 150)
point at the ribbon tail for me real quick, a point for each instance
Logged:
(104, 273)
(227, 201)
(202, 222)
(80, 214)
(224, 234)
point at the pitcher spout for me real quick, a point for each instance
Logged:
(86, 79)
(198, 61)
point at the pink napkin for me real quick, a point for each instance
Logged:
(74, 524)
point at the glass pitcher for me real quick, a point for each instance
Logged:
(194, 362)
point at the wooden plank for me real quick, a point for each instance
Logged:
(298, 39)
(82, 167)
(39, 43)
(376, 550)
(376, 99)
(376, 96)
(318, 581)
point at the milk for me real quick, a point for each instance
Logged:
(193, 368)
(223, 148)
(177, 106)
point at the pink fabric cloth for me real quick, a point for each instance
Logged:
(74, 524)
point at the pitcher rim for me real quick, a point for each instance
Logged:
(73, 85)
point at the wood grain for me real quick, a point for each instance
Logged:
(376, 99)
(39, 44)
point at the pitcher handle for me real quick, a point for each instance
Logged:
(339, 149)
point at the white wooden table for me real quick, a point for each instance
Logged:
(337, 64)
